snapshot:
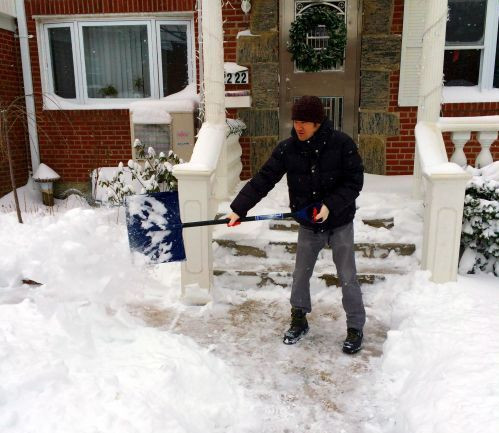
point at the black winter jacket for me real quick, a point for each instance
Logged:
(326, 169)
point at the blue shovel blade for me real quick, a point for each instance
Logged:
(149, 219)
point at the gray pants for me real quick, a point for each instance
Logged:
(341, 241)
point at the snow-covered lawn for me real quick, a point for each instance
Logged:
(104, 344)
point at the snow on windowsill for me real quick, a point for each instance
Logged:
(469, 94)
(185, 101)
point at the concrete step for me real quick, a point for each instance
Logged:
(367, 250)
(290, 225)
(252, 279)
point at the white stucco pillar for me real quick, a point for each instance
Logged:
(213, 61)
(432, 61)
(431, 77)
(196, 178)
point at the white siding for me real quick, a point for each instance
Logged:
(412, 43)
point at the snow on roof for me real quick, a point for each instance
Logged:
(158, 112)
(45, 173)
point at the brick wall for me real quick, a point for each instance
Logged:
(74, 142)
(10, 89)
(400, 149)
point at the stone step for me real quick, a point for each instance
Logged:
(290, 225)
(246, 279)
(367, 250)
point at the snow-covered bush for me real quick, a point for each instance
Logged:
(480, 234)
(154, 174)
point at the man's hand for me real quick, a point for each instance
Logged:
(322, 215)
(233, 219)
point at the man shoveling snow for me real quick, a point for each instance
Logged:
(322, 166)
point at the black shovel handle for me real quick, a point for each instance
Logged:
(277, 216)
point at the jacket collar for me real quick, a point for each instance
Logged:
(317, 140)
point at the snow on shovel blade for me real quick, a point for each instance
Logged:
(150, 218)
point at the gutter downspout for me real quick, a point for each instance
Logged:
(28, 85)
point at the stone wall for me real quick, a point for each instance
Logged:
(260, 53)
(380, 55)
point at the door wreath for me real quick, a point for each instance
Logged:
(308, 58)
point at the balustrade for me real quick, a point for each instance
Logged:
(486, 128)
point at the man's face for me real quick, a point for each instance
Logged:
(305, 130)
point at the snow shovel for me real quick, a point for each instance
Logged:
(155, 229)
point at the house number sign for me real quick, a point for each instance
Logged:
(240, 77)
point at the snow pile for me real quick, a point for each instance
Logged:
(81, 371)
(440, 367)
(158, 112)
(150, 112)
(74, 359)
(489, 172)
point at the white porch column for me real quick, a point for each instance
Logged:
(213, 61)
(431, 78)
(432, 61)
(196, 178)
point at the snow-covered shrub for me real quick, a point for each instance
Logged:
(154, 174)
(480, 234)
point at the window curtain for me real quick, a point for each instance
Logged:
(117, 61)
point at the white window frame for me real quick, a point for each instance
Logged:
(51, 101)
(484, 91)
(49, 83)
(190, 38)
(151, 47)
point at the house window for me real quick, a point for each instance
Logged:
(470, 57)
(174, 61)
(114, 62)
(61, 54)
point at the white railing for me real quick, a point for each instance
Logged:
(442, 185)
(461, 128)
(8, 7)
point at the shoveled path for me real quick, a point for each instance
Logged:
(311, 386)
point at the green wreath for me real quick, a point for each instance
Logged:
(306, 57)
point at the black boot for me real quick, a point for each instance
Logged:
(299, 326)
(353, 342)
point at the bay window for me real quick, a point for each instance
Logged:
(87, 62)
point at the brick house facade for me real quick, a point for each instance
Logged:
(74, 142)
(11, 88)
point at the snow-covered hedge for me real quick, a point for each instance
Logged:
(480, 235)
(153, 175)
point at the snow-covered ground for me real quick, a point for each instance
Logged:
(105, 345)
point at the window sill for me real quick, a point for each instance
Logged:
(471, 94)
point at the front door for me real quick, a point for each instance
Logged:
(337, 87)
